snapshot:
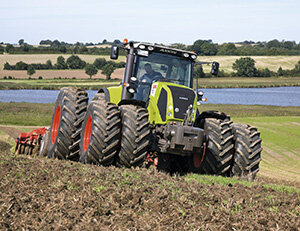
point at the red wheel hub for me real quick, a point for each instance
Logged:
(55, 124)
(87, 133)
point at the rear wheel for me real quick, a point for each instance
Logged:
(100, 133)
(64, 136)
(135, 136)
(219, 147)
(247, 153)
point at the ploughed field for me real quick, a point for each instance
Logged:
(39, 193)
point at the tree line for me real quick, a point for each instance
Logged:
(245, 67)
(73, 62)
(201, 47)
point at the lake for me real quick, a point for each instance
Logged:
(278, 96)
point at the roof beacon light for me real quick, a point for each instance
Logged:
(125, 40)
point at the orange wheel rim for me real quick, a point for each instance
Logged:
(87, 133)
(55, 125)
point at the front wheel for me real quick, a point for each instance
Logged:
(247, 152)
(219, 147)
(135, 136)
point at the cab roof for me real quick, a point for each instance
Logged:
(161, 49)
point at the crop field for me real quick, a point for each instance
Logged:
(39, 193)
(271, 62)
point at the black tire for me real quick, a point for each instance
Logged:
(247, 152)
(100, 133)
(44, 145)
(65, 130)
(135, 136)
(99, 96)
(219, 148)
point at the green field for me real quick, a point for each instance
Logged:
(279, 126)
(95, 84)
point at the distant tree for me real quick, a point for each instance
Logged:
(180, 46)
(280, 71)
(62, 48)
(74, 62)
(21, 66)
(227, 49)
(61, 64)
(25, 47)
(83, 49)
(273, 43)
(100, 62)
(8, 48)
(55, 43)
(245, 67)
(1, 50)
(107, 70)
(104, 41)
(46, 42)
(296, 69)
(204, 47)
(91, 69)
(21, 42)
(7, 66)
(49, 64)
(30, 70)
(264, 72)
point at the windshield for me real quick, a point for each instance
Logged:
(163, 67)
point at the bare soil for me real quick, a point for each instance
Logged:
(43, 194)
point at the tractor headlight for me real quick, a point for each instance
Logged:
(131, 90)
(193, 56)
(186, 55)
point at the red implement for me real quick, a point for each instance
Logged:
(27, 142)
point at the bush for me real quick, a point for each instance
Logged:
(9, 77)
(40, 77)
(245, 67)
(4, 77)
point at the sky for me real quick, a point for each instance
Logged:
(155, 21)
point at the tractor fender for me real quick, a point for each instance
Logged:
(199, 122)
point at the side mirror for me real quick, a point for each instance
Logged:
(215, 68)
(114, 53)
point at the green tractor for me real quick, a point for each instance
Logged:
(152, 118)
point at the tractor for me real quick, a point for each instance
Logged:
(152, 118)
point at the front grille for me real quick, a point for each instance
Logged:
(162, 104)
(182, 98)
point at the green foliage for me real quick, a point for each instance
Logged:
(280, 71)
(21, 66)
(100, 62)
(245, 67)
(204, 47)
(91, 69)
(30, 70)
(9, 48)
(107, 70)
(227, 49)
(61, 64)
(74, 62)
(7, 66)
